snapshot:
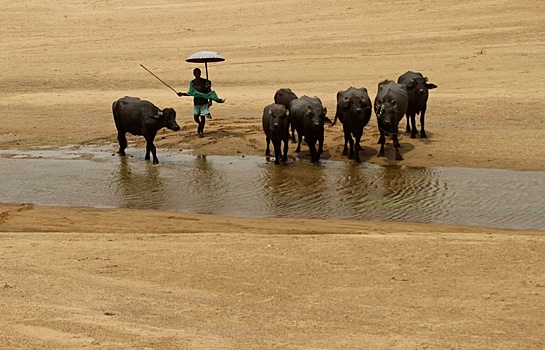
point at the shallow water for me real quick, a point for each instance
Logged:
(253, 187)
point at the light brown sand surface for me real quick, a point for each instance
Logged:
(75, 278)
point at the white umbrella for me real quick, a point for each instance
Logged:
(205, 57)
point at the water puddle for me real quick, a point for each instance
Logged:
(252, 187)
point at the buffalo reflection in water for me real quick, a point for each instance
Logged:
(139, 189)
(298, 190)
(206, 186)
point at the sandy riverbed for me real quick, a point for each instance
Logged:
(73, 278)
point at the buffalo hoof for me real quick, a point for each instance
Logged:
(423, 135)
(413, 136)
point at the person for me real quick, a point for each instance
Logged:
(201, 90)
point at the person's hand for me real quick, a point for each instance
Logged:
(209, 103)
(182, 94)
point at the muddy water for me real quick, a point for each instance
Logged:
(253, 187)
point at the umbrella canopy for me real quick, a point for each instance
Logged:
(205, 57)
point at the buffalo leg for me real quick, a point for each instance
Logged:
(413, 125)
(320, 147)
(268, 150)
(422, 114)
(348, 137)
(277, 153)
(396, 147)
(150, 148)
(313, 154)
(381, 141)
(300, 137)
(357, 148)
(345, 148)
(408, 128)
(286, 146)
(357, 145)
(293, 133)
(122, 139)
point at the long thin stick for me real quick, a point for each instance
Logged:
(159, 79)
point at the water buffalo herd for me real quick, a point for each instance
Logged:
(305, 115)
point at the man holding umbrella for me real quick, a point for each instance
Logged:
(201, 105)
(201, 90)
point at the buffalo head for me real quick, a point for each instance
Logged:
(279, 117)
(387, 113)
(353, 104)
(167, 119)
(419, 86)
(317, 116)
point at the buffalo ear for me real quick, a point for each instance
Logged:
(325, 110)
(270, 111)
(431, 86)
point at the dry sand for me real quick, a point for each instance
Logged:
(74, 278)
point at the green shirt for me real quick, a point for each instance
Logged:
(205, 95)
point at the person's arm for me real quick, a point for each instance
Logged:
(191, 87)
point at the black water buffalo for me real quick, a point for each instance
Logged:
(354, 110)
(276, 128)
(284, 97)
(390, 107)
(140, 117)
(308, 116)
(417, 88)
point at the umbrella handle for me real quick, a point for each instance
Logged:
(206, 68)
